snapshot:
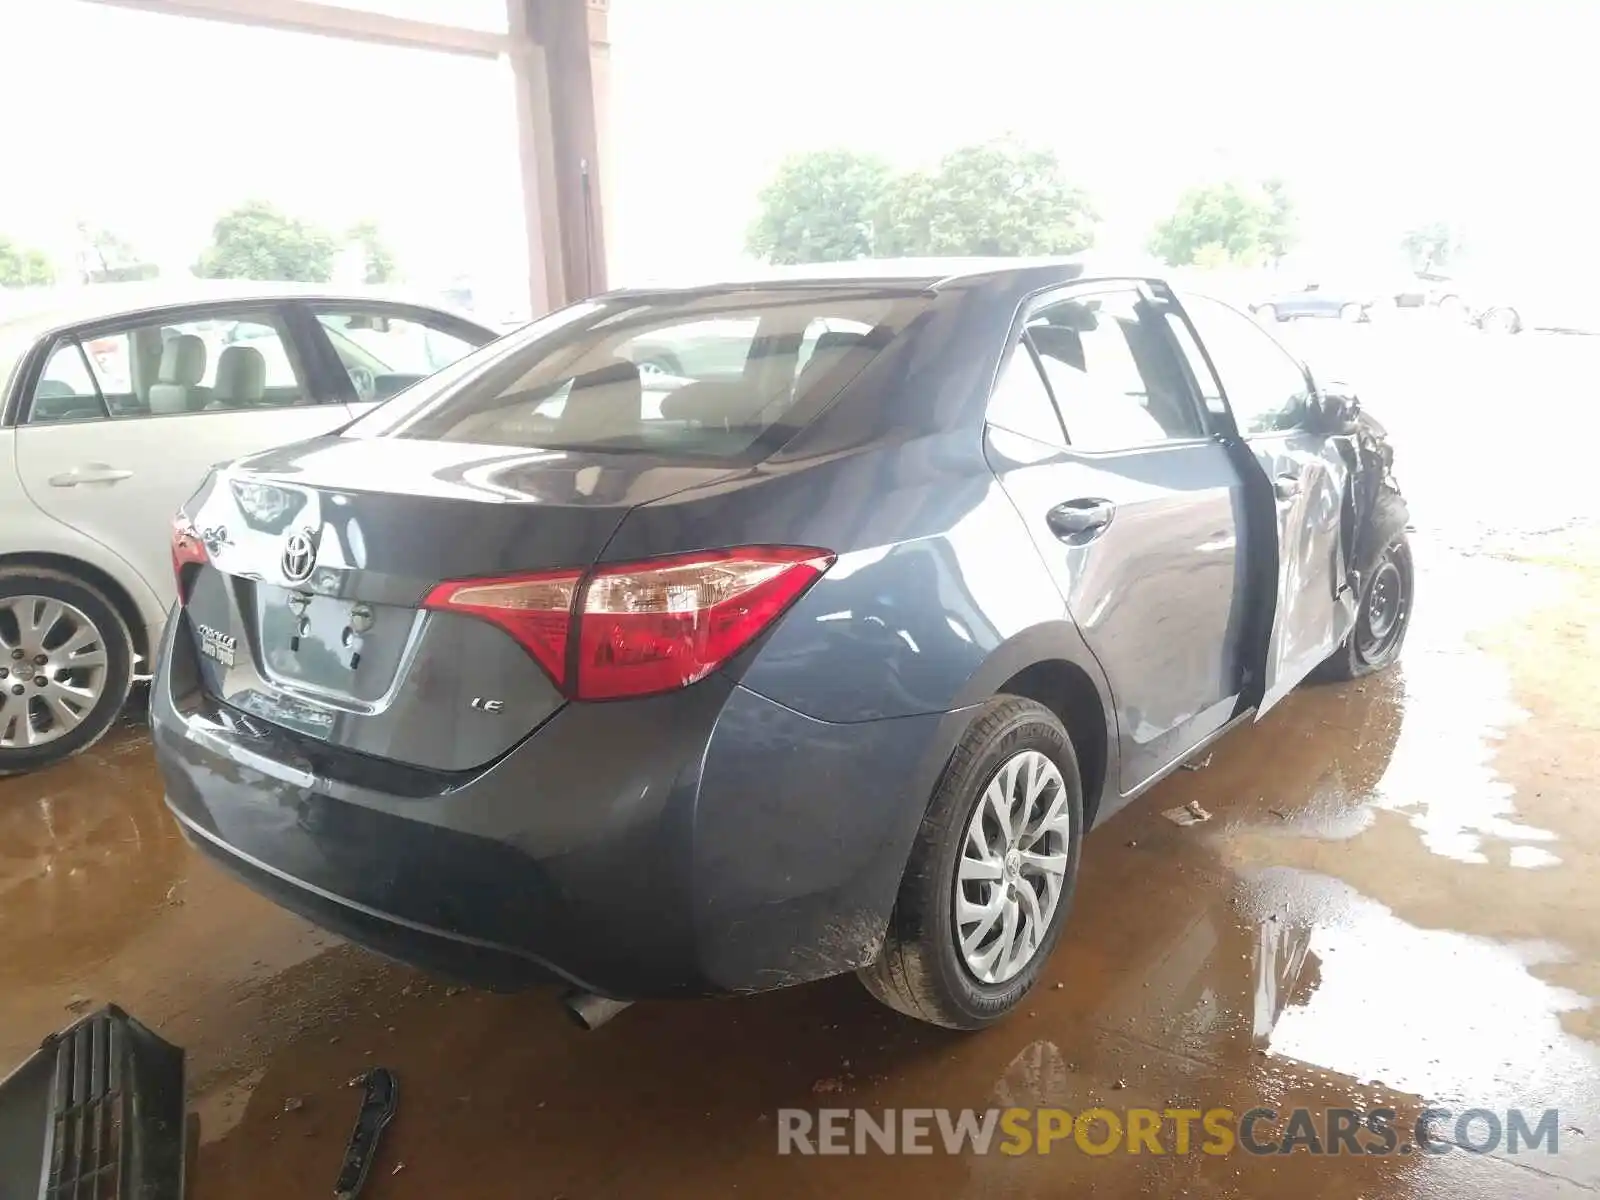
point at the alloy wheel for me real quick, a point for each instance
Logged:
(53, 668)
(1012, 868)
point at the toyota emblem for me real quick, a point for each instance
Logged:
(299, 556)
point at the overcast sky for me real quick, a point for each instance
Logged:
(1379, 114)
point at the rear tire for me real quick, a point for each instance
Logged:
(923, 970)
(1383, 613)
(86, 617)
(1351, 313)
(1267, 313)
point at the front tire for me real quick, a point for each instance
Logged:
(991, 875)
(1383, 614)
(66, 664)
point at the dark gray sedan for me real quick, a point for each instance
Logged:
(1318, 300)
(823, 663)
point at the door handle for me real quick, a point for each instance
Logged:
(90, 473)
(1079, 520)
(1287, 486)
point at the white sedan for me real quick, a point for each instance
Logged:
(115, 400)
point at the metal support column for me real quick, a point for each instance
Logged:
(554, 47)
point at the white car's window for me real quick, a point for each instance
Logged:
(1266, 387)
(1111, 374)
(167, 368)
(1020, 401)
(383, 354)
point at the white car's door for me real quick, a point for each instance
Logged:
(123, 424)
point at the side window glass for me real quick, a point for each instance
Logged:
(216, 364)
(66, 390)
(1112, 373)
(383, 354)
(1266, 387)
(1021, 403)
(208, 365)
(1204, 378)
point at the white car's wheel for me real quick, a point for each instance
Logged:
(66, 663)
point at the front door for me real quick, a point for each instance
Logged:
(1098, 439)
(125, 422)
(1267, 389)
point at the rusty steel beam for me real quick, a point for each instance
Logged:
(559, 53)
(333, 20)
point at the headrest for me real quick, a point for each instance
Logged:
(837, 340)
(1058, 342)
(711, 402)
(831, 347)
(241, 375)
(618, 372)
(604, 403)
(183, 360)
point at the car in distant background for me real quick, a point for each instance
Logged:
(1565, 305)
(1317, 300)
(115, 400)
(1431, 289)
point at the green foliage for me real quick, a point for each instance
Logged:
(1431, 247)
(1228, 223)
(257, 241)
(21, 266)
(107, 258)
(380, 265)
(819, 207)
(1280, 234)
(996, 198)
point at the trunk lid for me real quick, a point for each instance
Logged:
(308, 612)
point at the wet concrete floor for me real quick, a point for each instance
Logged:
(1395, 904)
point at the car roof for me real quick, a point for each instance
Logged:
(29, 314)
(911, 273)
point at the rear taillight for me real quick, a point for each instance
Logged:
(534, 609)
(188, 550)
(645, 627)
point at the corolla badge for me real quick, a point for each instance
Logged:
(299, 556)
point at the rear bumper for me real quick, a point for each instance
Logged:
(703, 842)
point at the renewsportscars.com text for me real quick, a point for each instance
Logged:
(1217, 1131)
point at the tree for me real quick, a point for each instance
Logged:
(258, 241)
(1432, 246)
(380, 265)
(22, 266)
(106, 258)
(1228, 222)
(819, 207)
(1281, 234)
(995, 198)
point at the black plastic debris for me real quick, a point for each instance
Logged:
(377, 1109)
(96, 1113)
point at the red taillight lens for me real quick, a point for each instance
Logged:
(655, 626)
(534, 609)
(187, 551)
(642, 627)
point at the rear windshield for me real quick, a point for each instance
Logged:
(690, 374)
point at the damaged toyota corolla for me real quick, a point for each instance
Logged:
(715, 640)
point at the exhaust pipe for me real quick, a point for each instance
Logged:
(591, 1011)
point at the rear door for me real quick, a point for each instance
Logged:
(1267, 390)
(127, 418)
(1100, 442)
